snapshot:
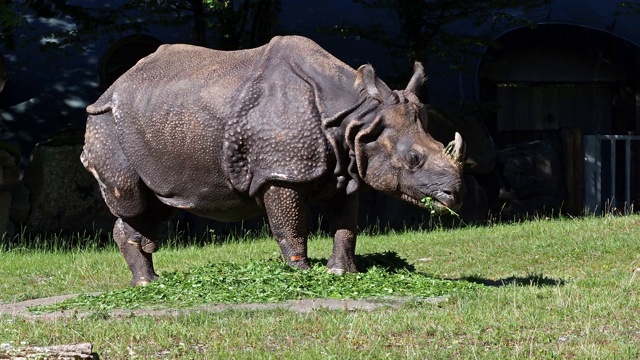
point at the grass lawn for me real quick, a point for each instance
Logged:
(560, 288)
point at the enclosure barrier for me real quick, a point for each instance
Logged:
(610, 172)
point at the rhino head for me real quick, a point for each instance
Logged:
(396, 155)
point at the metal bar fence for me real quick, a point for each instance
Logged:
(595, 175)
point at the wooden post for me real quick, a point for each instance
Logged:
(573, 168)
(71, 351)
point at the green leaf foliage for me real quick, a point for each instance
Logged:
(264, 281)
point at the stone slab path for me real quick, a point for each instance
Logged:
(302, 306)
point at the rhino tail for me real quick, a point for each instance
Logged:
(95, 109)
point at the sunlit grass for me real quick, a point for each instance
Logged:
(553, 288)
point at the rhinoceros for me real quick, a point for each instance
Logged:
(229, 135)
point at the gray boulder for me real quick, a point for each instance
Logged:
(475, 208)
(9, 171)
(6, 226)
(531, 180)
(64, 197)
(9, 174)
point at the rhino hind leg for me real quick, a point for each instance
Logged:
(138, 238)
(140, 262)
(139, 212)
(287, 213)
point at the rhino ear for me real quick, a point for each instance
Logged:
(367, 135)
(358, 135)
(370, 85)
(417, 79)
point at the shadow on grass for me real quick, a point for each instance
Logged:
(537, 280)
(388, 260)
(392, 263)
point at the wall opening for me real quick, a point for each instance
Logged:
(564, 83)
(123, 54)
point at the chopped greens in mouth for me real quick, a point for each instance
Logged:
(430, 204)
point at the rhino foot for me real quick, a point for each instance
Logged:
(298, 262)
(144, 280)
(341, 265)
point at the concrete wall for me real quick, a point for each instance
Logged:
(46, 92)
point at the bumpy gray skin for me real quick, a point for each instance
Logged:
(231, 135)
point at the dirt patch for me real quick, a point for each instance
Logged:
(302, 306)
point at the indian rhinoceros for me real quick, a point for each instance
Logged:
(231, 135)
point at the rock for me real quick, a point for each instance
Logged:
(382, 212)
(6, 227)
(481, 152)
(475, 207)
(9, 170)
(64, 196)
(9, 178)
(20, 204)
(531, 179)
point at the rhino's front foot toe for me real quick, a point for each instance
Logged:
(339, 266)
(298, 262)
(336, 271)
(144, 280)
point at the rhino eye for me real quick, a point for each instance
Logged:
(413, 159)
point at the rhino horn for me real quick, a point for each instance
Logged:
(417, 79)
(455, 150)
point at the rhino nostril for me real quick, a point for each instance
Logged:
(447, 197)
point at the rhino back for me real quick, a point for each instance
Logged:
(200, 125)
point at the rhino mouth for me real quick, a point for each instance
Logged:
(437, 202)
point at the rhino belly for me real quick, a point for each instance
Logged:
(185, 172)
(217, 203)
(199, 186)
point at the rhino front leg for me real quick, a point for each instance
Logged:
(287, 213)
(342, 213)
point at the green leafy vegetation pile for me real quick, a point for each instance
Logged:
(264, 281)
